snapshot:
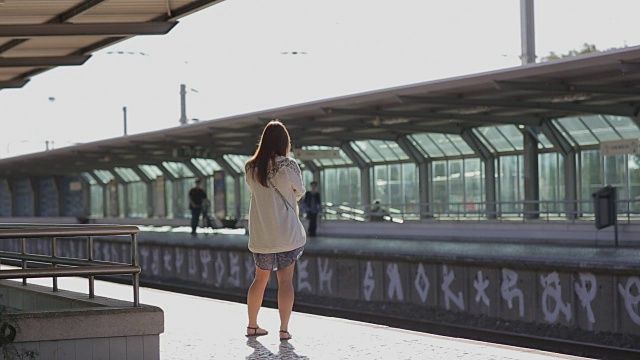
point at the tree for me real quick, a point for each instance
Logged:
(586, 49)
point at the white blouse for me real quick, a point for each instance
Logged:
(274, 226)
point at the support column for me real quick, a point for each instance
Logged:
(125, 195)
(570, 167)
(489, 161)
(237, 183)
(173, 180)
(531, 175)
(527, 32)
(365, 173)
(423, 166)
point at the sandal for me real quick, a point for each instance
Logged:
(285, 338)
(255, 332)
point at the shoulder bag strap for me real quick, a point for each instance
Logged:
(287, 205)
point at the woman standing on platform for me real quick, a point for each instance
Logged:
(276, 235)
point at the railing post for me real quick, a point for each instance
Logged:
(24, 262)
(136, 276)
(53, 262)
(90, 258)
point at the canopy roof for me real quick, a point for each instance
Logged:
(529, 96)
(37, 35)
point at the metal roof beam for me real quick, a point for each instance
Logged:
(13, 84)
(101, 29)
(569, 107)
(562, 87)
(485, 119)
(556, 138)
(44, 61)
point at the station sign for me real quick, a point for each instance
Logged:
(620, 147)
(192, 152)
(316, 154)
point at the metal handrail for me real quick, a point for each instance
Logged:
(69, 266)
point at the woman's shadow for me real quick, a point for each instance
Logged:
(260, 352)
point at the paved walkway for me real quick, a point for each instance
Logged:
(201, 328)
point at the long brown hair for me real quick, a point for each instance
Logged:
(274, 141)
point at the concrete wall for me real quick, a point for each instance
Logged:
(67, 325)
(595, 298)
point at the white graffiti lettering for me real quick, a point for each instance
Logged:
(106, 252)
(205, 258)
(234, 270)
(219, 267)
(509, 280)
(422, 283)
(325, 274)
(250, 268)
(192, 263)
(115, 256)
(369, 282)
(395, 285)
(481, 285)
(167, 257)
(144, 253)
(553, 290)
(448, 277)
(631, 301)
(303, 275)
(155, 265)
(586, 292)
(179, 260)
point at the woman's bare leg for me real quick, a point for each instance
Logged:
(255, 296)
(285, 296)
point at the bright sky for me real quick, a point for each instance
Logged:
(237, 56)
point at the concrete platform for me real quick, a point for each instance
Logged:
(200, 328)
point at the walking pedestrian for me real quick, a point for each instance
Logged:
(312, 204)
(196, 196)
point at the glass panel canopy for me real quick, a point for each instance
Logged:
(206, 166)
(178, 170)
(237, 161)
(127, 174)
(378, 151)
(151, 171)
(104, 176)
(325, 163)
(440, 145)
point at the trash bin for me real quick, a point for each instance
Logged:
(604, 207)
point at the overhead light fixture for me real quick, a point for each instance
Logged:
(331, 129)
(395, 121)
(570, 98)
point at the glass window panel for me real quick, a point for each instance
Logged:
(104, 175)
(127, 174)
(615, 174)
(440, 185)
(380, 151)
(496, 139)
(511, 191)
(634, 183)
(458, 142)
(456, 186)
(481, 133)
(381, 184)
(551, 175)
(600, 128)
(543, 142)
(177, 169)
(426, 145)
(88, 178)
(410, 190)
(577, 131)
(151, 171)
(97, 201)
(237, 161)
(473, 184)
(513, 136)
(444, 144)
(206, 166)
(343, 160)
(624, 126)
(590, 177)
(137, 197)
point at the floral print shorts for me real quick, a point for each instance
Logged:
(277, 261)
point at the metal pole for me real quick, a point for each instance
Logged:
(183, 104)
(53, 262)
(527, 32)
(24, 262)
(90, 258)
(124, 113)
(136, 276)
